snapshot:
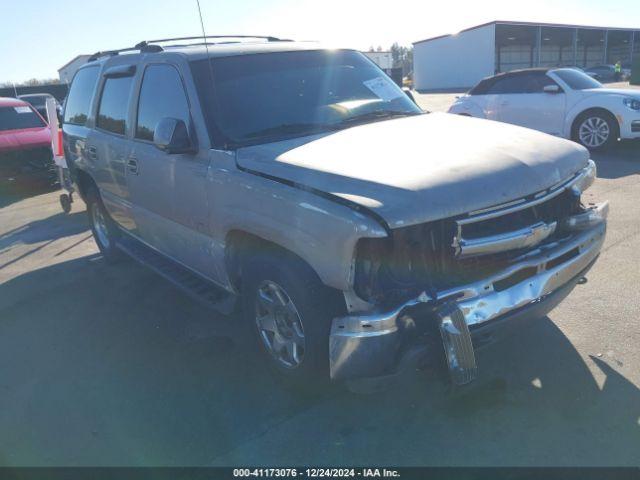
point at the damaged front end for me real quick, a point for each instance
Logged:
(461, 277)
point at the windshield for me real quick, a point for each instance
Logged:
(35, 99)
(19, 117)
(268, 97)
(577, 80)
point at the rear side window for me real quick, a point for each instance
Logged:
(19, 117)
(161, 95)
(114, 103)
(511, 84)
(482, 88)
(79, 99)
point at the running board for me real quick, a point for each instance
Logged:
(194, 285)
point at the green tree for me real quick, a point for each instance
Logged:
(402, 58)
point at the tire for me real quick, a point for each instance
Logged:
(595, 130)
(304, 309)
(65, 203)
(105, 231)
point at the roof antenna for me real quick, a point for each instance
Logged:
(204, 39)
(204, 35)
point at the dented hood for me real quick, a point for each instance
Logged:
(417, 169)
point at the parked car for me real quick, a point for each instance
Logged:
(580, 69)
(302, 187)
(39, 102)
(607, 73)
(25, 145)
(559, 101)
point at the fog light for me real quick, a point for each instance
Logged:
(592, 217)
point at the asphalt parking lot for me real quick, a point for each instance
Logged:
(111, 365)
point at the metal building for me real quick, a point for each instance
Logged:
(69, 69)
(460, 60)
(383, 59)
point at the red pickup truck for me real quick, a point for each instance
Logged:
(25, 145)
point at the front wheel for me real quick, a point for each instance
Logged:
(289, 312)
(595, 130)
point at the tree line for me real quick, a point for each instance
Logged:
(402, 57)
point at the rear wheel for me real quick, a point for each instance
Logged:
(596, 129)
(105, 231)
(289, 312)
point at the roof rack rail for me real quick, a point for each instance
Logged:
(200, 37)
(149, 46)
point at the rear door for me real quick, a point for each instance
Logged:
(77, 113)
(109, 145)
(169, 189)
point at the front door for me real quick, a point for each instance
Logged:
(519, 98)
(531, 106)
(169, 189)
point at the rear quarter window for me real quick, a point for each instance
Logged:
(78, 101)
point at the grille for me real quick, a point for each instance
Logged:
(423, 257)
(456, 271)
(550, 211)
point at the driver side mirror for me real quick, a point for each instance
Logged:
(171, 135)
(551, 89)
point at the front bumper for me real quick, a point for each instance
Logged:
(629, 126)
(370, 345)
(28, 165)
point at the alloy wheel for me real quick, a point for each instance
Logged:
(100, 226)
(594, 132)
(279, 324)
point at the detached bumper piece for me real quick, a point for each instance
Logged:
(458, 347)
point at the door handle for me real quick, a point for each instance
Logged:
(132, 165)
(93, 152)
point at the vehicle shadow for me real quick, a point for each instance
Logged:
(536, 403)
(50, 228)
(10, 194)
(135, 373)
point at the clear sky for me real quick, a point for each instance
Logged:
(39, 36)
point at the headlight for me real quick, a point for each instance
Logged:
(632, 103)
(591, 217)
(585, 179)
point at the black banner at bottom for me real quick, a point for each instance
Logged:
(405, 473)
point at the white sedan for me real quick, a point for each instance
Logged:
(560, 101)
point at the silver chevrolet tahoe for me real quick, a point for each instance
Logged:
(299, 185)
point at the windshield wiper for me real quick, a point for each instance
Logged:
(376, 115)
